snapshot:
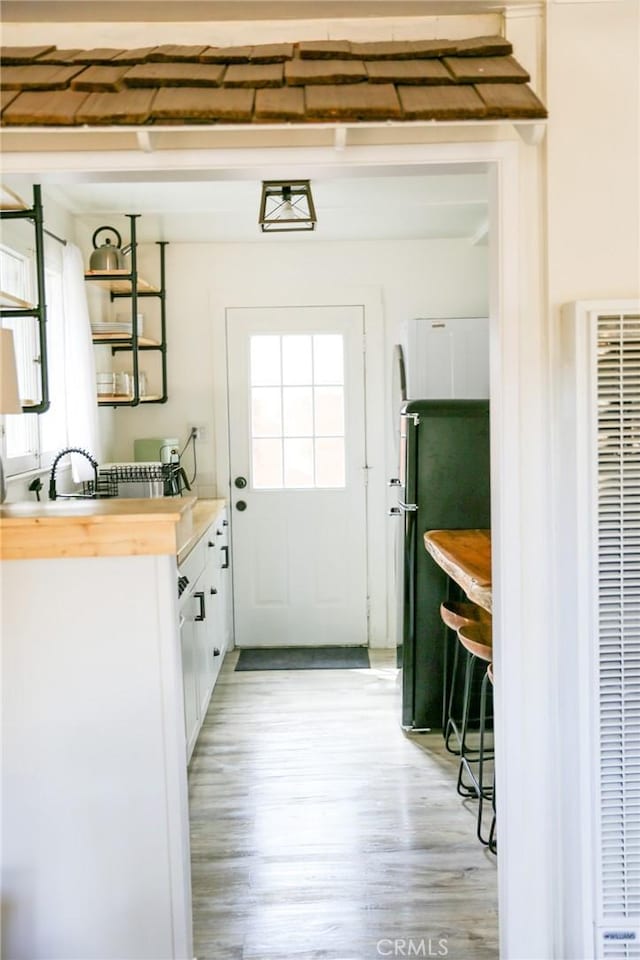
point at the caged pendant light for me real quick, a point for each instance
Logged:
(287, 205)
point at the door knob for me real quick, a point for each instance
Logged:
(241, 505)
(240, 483)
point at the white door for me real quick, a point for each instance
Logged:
(297, 440)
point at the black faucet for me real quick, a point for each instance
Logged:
(52, 479)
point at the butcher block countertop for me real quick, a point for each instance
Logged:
(466, 556)
(103, 528)
(204, 513)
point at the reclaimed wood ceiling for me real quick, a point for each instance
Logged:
(319, 81)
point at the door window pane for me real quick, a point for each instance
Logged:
(267, 464)
(328, 363)
(265, 361)
(296, 360)
(266, 415)
(329, 409)
(330, 462)
(298, 463)
(298, 411)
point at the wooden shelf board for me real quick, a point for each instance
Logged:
(8, 300)
(10, 200)
(108, 338)
(115, 398)
(117, 281)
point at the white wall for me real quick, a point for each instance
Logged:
(593, 222)
(593, 150)
(441, 278)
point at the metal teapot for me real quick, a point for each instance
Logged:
(108, 257)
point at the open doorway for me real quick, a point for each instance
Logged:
(219, 463)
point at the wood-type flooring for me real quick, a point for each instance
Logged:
(321, 831)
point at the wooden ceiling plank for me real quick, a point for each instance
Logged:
(200, 105)
(271, 52)
(403, 49)
(353, 101)
(302, 72)
(38, 77)
(139, 55)
(174, 75)
(511, 100)
(441, 103)
(100, 78)
(58, 108)
(407, 71)
(125, 106)
(97, 55)
(284, 104)
(254, 75)
(7, 97)
(64, 56)
(324, 49)
(486, 70)
(23, 54)
(176, 51)
(484, 47)
(226, 55)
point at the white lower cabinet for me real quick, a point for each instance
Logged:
(188, 647)
(205, 630)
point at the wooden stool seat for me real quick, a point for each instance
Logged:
(477, 639)
(456, 613)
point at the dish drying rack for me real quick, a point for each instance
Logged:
(164, 479)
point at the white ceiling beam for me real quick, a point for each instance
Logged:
(144, 141)
(531, 133)
(340, 139)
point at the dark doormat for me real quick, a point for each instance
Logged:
(304, 658)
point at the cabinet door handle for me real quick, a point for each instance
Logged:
(211, 543)
(216, 652)
(200, 595)
(213, 591)
(225, 565)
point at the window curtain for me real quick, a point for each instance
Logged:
(80, 366)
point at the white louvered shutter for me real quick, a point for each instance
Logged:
(616, 336)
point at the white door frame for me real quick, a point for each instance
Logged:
(370, 299)
(528, 731)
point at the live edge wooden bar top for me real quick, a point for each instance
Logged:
(104, 528)
(466, 556)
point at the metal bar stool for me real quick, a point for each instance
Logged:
(491, 840)
(476, 638)
(455, 614)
